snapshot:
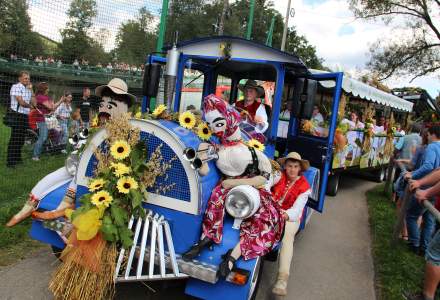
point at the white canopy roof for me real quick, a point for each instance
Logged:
(364, 91)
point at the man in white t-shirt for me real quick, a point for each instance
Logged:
(22, 100)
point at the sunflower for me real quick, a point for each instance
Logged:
(96, 184)
(125, 184)
(120, 149)
(102, 198)
(187, 120)
(95, 121)
(203, 131)
(256, 144)
(159, 110)
(120, 169)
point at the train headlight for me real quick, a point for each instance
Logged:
(71, 164)
(242, 201)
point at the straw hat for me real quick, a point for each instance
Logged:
(295, 156)
(252, 84)
(117, 86)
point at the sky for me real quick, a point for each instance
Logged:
(329, 25)
(342, 41)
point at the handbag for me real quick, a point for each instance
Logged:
(51, 122)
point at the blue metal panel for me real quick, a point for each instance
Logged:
(221, 290)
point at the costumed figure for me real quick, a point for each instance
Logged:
(240, 165)
(115, 101)
(291, 192)
(253, 112)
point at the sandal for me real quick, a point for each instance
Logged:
(223, 269)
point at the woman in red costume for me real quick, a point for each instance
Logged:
(291, 192)
(240, 165)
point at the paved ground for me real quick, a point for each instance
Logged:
(332, 259)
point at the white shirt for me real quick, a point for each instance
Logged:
(283, 126)
(20, 90)
(318, 119)
(297, 208)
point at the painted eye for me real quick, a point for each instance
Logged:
(219, 125)
(109, 106)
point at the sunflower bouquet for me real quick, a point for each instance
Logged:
(123, 174)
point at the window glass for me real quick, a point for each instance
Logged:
(318, 125)
(192, 90)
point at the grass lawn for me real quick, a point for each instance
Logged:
(397, 269)
(15, 185)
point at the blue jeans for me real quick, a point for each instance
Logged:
(417, 239)
(433, 253)
(42, 137)
(65, 128)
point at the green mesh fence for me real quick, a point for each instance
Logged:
(71, 46)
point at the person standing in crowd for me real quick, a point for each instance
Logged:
(255, 111)
(85, 108)
(45, 106)
(63, 115)
(291, 192)
(431, 161)
(22, 100)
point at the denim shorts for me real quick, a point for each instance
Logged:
(433, 252)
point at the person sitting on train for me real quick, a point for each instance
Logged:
(354, 122)
(291, 192)
(317, 117)
(251, 110)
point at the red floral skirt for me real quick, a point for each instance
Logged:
(258, 234)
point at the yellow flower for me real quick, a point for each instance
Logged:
(96, 184)
(256, 144)
(120, 169)
(87, 224)
(187, 120)
(120, 149)
(95, 121)
(203, 131)
(125, 184)
(138, 115)
(159, 110)
(102, 198)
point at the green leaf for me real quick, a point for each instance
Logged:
(136, 198)
(109, 230)
(138, 155)
(126, 236)
(120, 215)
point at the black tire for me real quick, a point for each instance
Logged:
(258, 279)
(333, 184)
(379, 175)
(57, 251)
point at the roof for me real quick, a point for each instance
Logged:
(367, 92)
(210, 47)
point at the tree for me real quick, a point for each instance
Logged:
(298, 44)
(136, 38)
(76, 42)
(417, 51)
(16, 35)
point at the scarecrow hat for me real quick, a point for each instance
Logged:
(295, 156)
(252, 84)
(118, 87)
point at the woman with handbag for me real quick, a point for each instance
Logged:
(45, 106)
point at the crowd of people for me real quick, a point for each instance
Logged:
(83, 64)
(418, 156)
(52, 121)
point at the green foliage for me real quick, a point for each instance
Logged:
(16, 34)
(397, 269)
(129, 49)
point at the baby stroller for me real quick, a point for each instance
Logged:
(55, 134)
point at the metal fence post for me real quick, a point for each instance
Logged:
(270, 33)
(251, 20)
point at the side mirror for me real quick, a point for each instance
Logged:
(304, 94)
(150, 84)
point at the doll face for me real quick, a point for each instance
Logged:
(110, 107)
(217, 122)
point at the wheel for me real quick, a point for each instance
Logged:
(57, 251)
(256, 279)
(379, 175)
(333, 185)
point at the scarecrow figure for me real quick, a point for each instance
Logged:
(115, 102)
(240, 165)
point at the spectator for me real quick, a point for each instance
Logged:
(76, 64)
(291, 192)
(85, 108)
(22, 100)
(45, 106)
(76, 122)
(419, 241)
(59, 63)
(409, 142)
(63, 115)
(109, 67)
